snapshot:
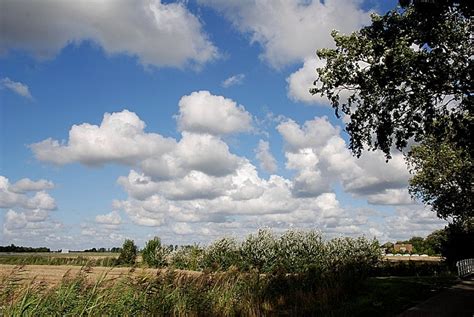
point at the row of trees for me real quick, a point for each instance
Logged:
(454, 242)
(19, 249)
(103, 250)
(431, 245)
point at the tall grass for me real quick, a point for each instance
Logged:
(175, 292)
(296, 273)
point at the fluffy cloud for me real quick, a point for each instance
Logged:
(17, 87)
(233, 80)
(28, 185)
(27, 224)
(29, 206)
(319, 154)
(120, 138)
(202, 112)
(158, 34)
(313, 134)
(200, 152)
(197, 198)
(197, 186)
(16, 196)
(411, 221)
(290, 31)
(263, 154)
(112, 218)
(304, 78)
(391, 196)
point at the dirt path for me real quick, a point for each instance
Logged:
(456, 301)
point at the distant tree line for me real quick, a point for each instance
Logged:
(454, 242)
(431, 245)
(113, 250)
(15, 248)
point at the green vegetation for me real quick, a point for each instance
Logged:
(58, 259)
(391, 296)
(294, 251)
(20, 249)
(431, 245)
(154, 254)
(295, 273)
(232, 293)
(405, 81)
(459, 241)
(128, 254)
(443, 177)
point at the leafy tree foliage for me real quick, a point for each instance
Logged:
(400, 75)
(16, 248)
(443, 178)
(128, 254)
(154, 254)
(407, 78)
(459, 241)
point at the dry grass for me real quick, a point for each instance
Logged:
(53, 274)
(413, 258)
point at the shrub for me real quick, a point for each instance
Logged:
(258, 251)
(298, 249)
(128, 255)
(154, 254)
(221, 254)
(189, 257)
(351, 256)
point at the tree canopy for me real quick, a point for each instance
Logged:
(396, 78)
(405, 82)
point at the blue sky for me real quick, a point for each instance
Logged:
(233, 140)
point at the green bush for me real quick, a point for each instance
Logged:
(259, 251)
(154, 254)
(128, 255)
(189, 257)
(221, 254)
(298, 249)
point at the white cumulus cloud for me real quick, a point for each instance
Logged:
(28, 185)
(265, 157)
(111, 218)
(291, 30)
(202, 112)
(156, 33)
(321, 157)
(120, 138)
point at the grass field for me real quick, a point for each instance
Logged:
(92, 255)
(79, 258)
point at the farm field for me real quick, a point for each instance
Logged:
(53, 274)
(92, 255)
(51, 258)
